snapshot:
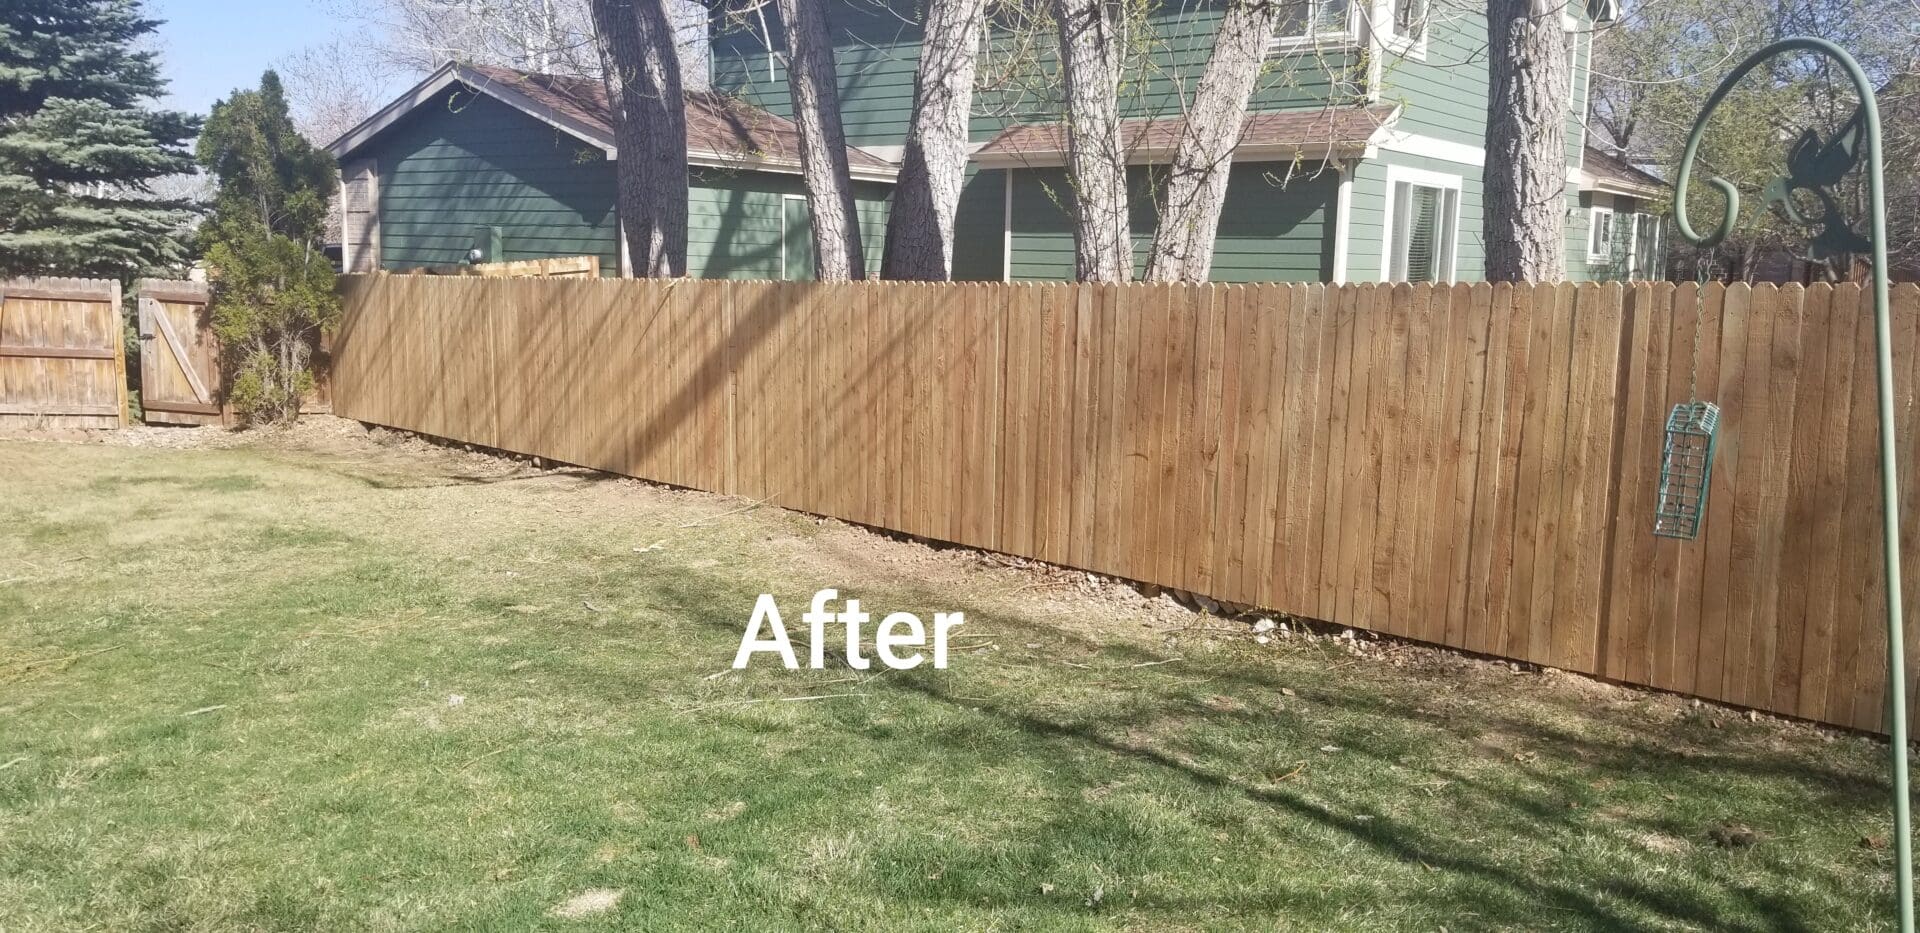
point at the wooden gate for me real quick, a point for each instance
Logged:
(62, 354)
(179, 357)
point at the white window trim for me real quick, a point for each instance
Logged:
(1342, 222)
(1006, 226)
(1593, 226)
(1397, 176)
(626, 248)
(1413, 47)
(351, 249)
(346, 226)
(1633, 242)
(1347, 39)
(784, 277)
(1576, 100)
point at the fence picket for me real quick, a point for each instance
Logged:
(1468, 465)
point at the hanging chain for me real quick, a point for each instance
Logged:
(1699, 324)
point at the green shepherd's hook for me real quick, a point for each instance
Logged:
(1814, 166)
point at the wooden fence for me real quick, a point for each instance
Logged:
(62, 354)
(181, 381)
(1469, 466)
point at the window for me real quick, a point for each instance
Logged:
(1306, 22)
(1423, 226)
(1600, 235)
(1407, 29)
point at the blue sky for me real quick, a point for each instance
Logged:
(209, 48)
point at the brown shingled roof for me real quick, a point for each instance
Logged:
(716, 123)
(1605, 168)
(1305, 130)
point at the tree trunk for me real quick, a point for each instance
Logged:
(650, 130)
(920, 227)
(1197, 186)
(1525, 178)
(815, 89)
(1096, 161)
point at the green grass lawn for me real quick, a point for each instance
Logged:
(321, 683)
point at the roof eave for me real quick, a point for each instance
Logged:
(1325, 150)
(1162, 155)
(1589, 183)
(451, 74)
(447, 76)
(749, 162)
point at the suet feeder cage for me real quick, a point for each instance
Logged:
(1686, 466)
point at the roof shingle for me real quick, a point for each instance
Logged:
(1606, 168)
(716, 123)
(1307, 130)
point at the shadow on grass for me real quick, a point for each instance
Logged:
(1541, 797)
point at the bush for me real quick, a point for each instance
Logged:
(272, 285)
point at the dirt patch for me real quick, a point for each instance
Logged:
(588, 903)
(1663, 844)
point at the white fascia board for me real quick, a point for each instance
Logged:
(1590, 183)
(386, 116)
(1388, 139)
(1162, 155)
(446, 77)
(1326, 151)
(449, 75)
(748, 162)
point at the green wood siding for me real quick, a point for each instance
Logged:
(979, 229)
(1581, 267)
(1444, 95)
(445, 171)
(1274, 229)
(735, 222)
(1442, 89)
(877, 48)
(1367, 233)
(476, 161)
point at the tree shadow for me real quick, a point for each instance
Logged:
(1164, 730)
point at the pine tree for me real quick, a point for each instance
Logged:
(79, 142)
(272, 283)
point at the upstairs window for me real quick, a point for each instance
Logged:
(1407, 27)
(1315, 22)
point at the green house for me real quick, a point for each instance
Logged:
(1360, 160)
(491, 164)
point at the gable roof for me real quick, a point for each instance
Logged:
(1603, 171)
(1283, 134)
(722, 132)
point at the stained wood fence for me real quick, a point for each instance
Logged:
(1468, 466)
(62, 354)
